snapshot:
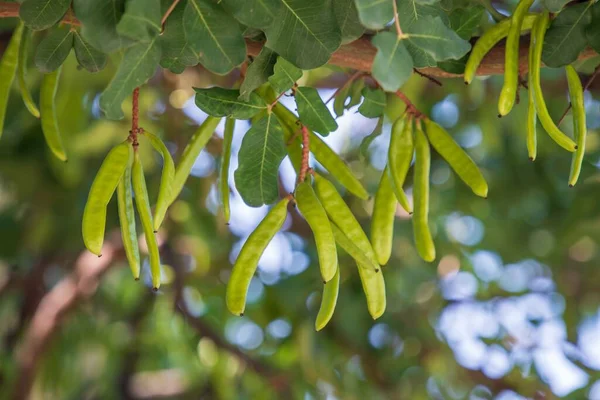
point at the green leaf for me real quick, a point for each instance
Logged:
(356, 93)
(392, 65)
(285, 75)
(177, 51)
(99, 20)
(261, 152)
(88, 57)
(313, 112)
(373, 104)
(220, 102)
(258, 72)
(253, 13)
(432, 36)
(54, 49)
(141, 20)
(592, 32)
(366, 142)
(566, 37)
(554, 6)
(215, 35)
(137, 66)
(411, 11)
(421, 58)
(464, 21)
(42, 14)
(375, 14)
(305, 32)
(347, 18)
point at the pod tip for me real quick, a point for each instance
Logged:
(155, 289)
(227, 223)
(99, 255)
(324, 282)
(137, 278)
(156, 231)
(576, 147)
(376, 270)
(410, 212)
(241, 314)
(571, 185)
(499, 115)
(466, 83)
(531, 159)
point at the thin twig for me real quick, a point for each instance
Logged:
(410, 107)
(586, 87)
(397, 20)
(428, 77)
(352, 78)
(135, 115)
(305, 154)
(163, 21)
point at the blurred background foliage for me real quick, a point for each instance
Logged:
(509, 310)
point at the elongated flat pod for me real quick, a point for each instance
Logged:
(538, 34)
(579, 122)
(531, 113)
(127, 220)
(372, 279)
(103, 187)
(508, 94)
(456, 157)
(340, 215)
(315, 215)
(488, 40)
(8, 70)
(328, 301)
(190, 153)
(400, 156)
(22, 73)
(143, 206)
(330, 160)
(165, 191)
(224, 170)
(49, 120)
(247, 261)
(423, 239)
(382, 222)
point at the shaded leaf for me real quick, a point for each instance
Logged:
(392, 65)
(141, 20)
(285, 75)
(375, 14)
(54, 49)
(258, 72)
(432, 36)
(261, 152)
(220, 102)
(253, 13)
(373, 104)
(99, 19)
(42, 14)
(339, 103)
(313, 112)
(355, 93)
(421, 58)
(347, 18)
(215, 35)
(366, 142)
(592, 32)
(137, 66)
(411, 11)
(554, 6)
(177, 52)
(88, 57)
(454, 66)
(566, 37)
(464, 21)
(305, 32)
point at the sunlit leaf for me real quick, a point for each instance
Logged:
(258, 72)
(285, 75)
(220, 102)
(313, 112)
(393, 64)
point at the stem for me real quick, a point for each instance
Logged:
(345, 85)
(496, 15)
(410, 107)
(305, 153)
(586, 87)
(135, 111)
(397, 20)
(428, 77)
(163, 21)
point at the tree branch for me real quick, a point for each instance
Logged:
(359, 54)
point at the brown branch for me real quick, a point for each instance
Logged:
(359, 54)
(410, 107)
(429, 78)
(64, 296)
